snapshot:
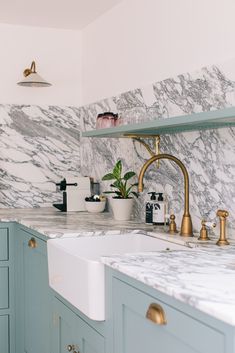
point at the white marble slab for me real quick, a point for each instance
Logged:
(207, 155)
(53, 223)
(202, 278)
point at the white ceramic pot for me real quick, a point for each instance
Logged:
(95, 207)
(122, 209)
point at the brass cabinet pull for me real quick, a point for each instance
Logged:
(32, 243)
(156, 314)
(71, 348)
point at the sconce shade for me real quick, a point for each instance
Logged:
(32, 79)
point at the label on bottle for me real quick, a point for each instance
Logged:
(149, 212)
(158, 213)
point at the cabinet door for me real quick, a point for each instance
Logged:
(178, 333)
(4, 334)
(7, 289)
(70, 331)
(34, 301)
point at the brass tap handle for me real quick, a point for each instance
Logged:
(222, 214)
(32, 243)
(156, 314)
(203, 232)
(172, 225)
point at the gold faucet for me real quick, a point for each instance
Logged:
(222, 214)
(186, 225)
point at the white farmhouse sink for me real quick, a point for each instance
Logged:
(76, 273)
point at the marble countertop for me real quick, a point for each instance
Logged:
(204, 278)
(53, 223)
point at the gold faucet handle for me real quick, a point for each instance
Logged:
(204, 229)
(203, 232)
(172, 225)
(222, 213)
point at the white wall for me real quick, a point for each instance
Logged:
(142, 41)
(58, 58)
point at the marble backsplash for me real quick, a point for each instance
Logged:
(39, 145)
(208, 155)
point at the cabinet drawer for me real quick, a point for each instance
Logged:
(4, 244)
(181, 333)
(4, 334)
(4, 285)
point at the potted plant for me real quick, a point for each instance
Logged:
(122, 201)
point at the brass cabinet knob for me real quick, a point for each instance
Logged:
(32, 243)
(71, 348)
(156, 314)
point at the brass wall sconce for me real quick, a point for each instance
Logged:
(32, 78)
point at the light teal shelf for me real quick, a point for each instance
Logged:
(198, 121)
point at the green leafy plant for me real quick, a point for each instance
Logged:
(121, 184)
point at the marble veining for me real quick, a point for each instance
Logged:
(202, 278)
(208, 155)
(55, 224)
(38, 146)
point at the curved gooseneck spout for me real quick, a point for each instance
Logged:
(186, 225)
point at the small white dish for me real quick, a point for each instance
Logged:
(95, 207)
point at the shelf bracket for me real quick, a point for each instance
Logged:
(139, 138)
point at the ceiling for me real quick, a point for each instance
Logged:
(65, 14)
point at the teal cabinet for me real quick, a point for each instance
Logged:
(7, 289)
(71, 333)
(4, 334)
(4, 244)
(33, 319)
(4, 292)
(34, 312)
(146, 321)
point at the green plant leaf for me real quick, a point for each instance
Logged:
(117, 170)
(129, 175)
(118, 184)
(109, 192)
(109, 176)
(128, 190)
(134, 193)
(118, 193)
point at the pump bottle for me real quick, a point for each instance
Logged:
(159, 210)
(149, 208)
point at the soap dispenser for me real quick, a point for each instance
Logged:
(149, 208)
(159, 210)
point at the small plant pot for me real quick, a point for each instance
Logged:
(122, 209)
